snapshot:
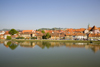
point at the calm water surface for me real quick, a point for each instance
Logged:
(49, 54)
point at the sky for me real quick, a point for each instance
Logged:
(35, 14)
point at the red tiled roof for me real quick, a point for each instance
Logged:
(89, 28)
(75, 34)
(94, 28)
(99, 28)
(40, 34)
(80, 34)
(27, 31)
(94, 35)
(71, 31)
(48, 31)
(7, 32)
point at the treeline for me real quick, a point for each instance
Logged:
(52, 28)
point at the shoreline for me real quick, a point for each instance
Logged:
(69, 41)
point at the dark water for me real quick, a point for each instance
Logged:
(49, 54)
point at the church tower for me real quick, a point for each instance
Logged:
(88, 26)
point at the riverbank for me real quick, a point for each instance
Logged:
(69, 41)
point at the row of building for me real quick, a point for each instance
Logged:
(91, 33)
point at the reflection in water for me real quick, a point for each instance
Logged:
(27, 44)
(11, 45)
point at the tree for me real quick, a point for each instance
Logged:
(8, 37)
(13, 31)
(48, 35)
(43, 31)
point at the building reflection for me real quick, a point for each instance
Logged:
(1, 42)
(94, 48)
(27, 44)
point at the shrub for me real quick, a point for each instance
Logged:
(20, 38)
(8, 37)
(33, 37)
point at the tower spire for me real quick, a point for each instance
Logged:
(88, 26)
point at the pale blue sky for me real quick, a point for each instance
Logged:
(34, 14)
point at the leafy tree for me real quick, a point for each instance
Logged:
(13, 31)
(8, 37)
(43, 31)
(48, 35)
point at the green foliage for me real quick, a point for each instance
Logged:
(20, 38)
(33, 37)
(9, 43)
(43, 31)
(38, 30)
(13, 31)
(48, 35)
(8, 37)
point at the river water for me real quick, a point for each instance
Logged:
(49, 54)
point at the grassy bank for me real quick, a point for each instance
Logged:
(69, 41)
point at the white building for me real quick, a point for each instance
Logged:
(2, 32)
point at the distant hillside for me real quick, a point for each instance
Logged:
(52, 28)
(9, 29)
(4, 29)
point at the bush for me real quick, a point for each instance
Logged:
(8, 37)
(20, 38)
(33, 37)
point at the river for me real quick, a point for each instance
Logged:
(49, 54)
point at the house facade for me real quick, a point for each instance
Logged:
(2, 32)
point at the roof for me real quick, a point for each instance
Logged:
(99, 28)
(89, 28)
(27, 31)
(71, 31)
(55, 34)
(75, 34)
(7, 32)
(80, 34)
(94, 35)
(48, 31)
(39, 34)
(94, 28)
